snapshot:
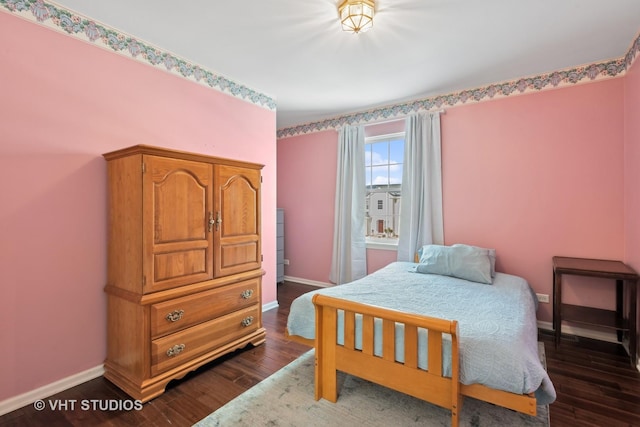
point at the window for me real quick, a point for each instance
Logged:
(383, 166)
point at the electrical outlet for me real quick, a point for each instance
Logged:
(543, 298)
(286, 262)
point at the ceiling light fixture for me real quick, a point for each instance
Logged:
(356, 16)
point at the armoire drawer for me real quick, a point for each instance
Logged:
(180, 313)
(175, 349)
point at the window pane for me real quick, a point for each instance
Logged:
(395, 174)
(380, 175)
(379, 153)
(396, 151)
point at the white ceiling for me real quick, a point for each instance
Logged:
(295, 51)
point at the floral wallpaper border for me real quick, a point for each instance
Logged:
(556, 79)
(55, 17)
(79, 26)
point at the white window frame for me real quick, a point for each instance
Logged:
(376, 244)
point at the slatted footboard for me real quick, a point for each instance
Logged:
(430, 385)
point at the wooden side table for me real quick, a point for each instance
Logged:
(617, 270)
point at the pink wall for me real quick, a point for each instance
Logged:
(533, 176)
(306, 192)
(64, 103)
(632, 169)
(536, 176)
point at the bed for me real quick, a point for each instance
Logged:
(433, 336)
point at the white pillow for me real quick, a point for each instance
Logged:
(461, 261)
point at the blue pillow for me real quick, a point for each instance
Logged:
(490, 252)
(461, 261)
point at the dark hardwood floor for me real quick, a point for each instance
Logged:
(595, 382)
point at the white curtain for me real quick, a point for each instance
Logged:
(421, 220)
(349, 261)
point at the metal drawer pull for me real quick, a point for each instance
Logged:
(247, 321)
(218, 220)
(175, 350)
(174, 316)
(246, 294)
(211, 221)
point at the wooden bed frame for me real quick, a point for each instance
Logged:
(430, 385)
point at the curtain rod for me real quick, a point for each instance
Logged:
(441, 111)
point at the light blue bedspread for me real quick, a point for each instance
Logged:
(497, 322)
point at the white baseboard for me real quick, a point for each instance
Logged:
(29, 397)
(308, 282)
(270, 306)
(586, 333)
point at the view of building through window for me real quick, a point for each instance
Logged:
(383, 165)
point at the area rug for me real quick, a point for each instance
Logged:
(287, 399)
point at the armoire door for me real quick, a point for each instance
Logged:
(237, 220)
(178, 222)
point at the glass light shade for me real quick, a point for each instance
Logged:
(356, 16)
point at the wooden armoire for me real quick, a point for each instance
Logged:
(184, 264)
